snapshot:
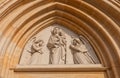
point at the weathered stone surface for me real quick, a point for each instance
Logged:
(97, 20)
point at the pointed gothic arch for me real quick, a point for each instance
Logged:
(20, 18)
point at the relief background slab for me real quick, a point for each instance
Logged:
(45, 35)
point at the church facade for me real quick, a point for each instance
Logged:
(59, 39)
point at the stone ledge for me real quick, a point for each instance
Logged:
(60, 68)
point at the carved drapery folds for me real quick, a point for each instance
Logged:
(58, 45)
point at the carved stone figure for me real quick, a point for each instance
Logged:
(79, 51)
(36, 52)
(57, 47)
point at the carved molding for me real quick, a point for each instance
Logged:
(60, 68)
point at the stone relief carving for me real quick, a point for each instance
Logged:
(55, 45)
(80, 52)
(36, 52)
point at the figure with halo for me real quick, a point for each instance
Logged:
(36, 52)
(57, 46)
(79, 52)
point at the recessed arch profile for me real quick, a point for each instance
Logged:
(20, 20)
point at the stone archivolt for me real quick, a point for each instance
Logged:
(98, 21)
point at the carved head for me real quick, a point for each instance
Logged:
(76, 41)
(55, 30)
(39, 42)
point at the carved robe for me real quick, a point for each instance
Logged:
(80, 55)
(57, 49)
(36, 54)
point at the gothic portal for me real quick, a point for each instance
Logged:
(59, 38)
